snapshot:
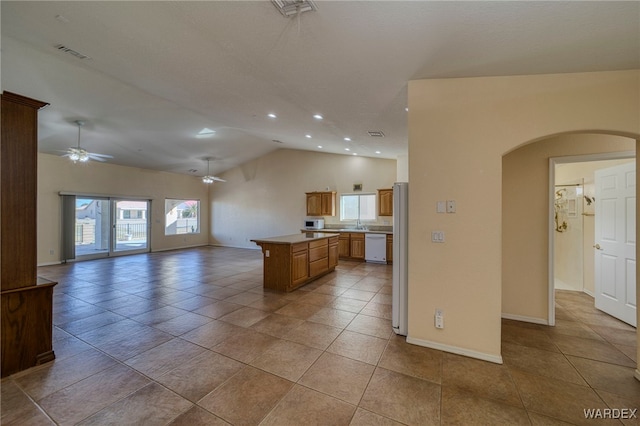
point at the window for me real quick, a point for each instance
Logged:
(181, 216)
(358, 207)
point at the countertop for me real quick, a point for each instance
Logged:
(295, 238)
(361, 231)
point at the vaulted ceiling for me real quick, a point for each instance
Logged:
(157, 73)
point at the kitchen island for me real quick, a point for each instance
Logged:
(291, 261)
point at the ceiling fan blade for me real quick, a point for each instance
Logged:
(93, 157)
(217, 179)
(93, 154)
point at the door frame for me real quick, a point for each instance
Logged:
(553, 161)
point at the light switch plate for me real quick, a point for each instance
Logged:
(441, 207)
(437, 236)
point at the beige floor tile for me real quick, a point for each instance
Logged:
(182, 324)
(556, 398)
(332, 317)
(247, 397)
(349, 305)
(382, 298)
(373, 326)
(617, 336)
(379, 310)
(461, 408)
(330, 289)
(246, 345)
(200, 375)
(573, 328)
(592, 349)
(129, 345)
(412, 360)
(298, 310)
(151, 405)
(244, 299)
(608, 377)
(544, 363)
(277, 325)
(212, 334)
(338, 376)
(80, 400)
(317, 336)
(480, 378)
(302, 406)
(533, 338)
(367, 418)
(217, 309)
(165, 357)
(402, 398)
(270, 303)
(542, 420)
(361, 295)
(18, 409)
(244, 317)
(198, 416)
(287, 359)
(315, 298)
(358, 346)
(46, 379)
(630, 351)
(69, 346)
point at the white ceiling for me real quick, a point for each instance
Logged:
(161, 71)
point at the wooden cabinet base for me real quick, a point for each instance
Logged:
(26, 332)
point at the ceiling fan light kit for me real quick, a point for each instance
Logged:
(208, 179)
(79, 154)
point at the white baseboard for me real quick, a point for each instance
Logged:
(50, 263)
(497, 359)
(589, 292)
(525, 319)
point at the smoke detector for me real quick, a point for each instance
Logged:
(294, 7)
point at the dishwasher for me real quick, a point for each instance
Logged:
(375, 248)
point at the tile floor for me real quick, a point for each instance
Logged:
(190, 337)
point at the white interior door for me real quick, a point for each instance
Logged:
(615, 241)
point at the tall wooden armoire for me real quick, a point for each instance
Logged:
(26, 318)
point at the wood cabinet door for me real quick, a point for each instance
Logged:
(344, 246)
(389, 248)
(328, 203)
(333, 255)
(357, 247)
(299, 267)
(314, 204)
(385, 202)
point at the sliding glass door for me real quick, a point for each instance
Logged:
(131, 222)
(103, 226)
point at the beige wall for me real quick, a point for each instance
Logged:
(459, 129)
(57, 174)
(525, 218)
(266, 197)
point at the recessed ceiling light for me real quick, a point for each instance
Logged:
(320, 146)
(272, 115)
(378, 152)
(347, 139)
(407, 109)
(347, 149)
(307, 136)
(355, 153)
(318, 117)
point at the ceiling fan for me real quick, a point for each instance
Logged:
(208, 178)
(76, 154)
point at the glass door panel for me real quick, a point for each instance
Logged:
(92, 230)
(130, 225)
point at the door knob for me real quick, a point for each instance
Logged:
(597, 247)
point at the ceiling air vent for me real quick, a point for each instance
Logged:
(75, 53)
(293, 7)
(376, 134)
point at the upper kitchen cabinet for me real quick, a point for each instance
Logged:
(385, 202)
(321, 203)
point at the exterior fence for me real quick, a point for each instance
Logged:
(86, 232)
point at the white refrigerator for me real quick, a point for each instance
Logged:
(400, 248)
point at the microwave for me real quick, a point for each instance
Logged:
(314, 224)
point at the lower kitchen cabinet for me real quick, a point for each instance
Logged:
(357, 245)
(389, 248)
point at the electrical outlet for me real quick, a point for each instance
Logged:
(51, 251)
(451, 206)
(439, 319)
(267, 253)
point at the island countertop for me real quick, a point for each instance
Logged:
(295, 238)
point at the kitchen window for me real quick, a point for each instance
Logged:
(181, 216)
(357, 207)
